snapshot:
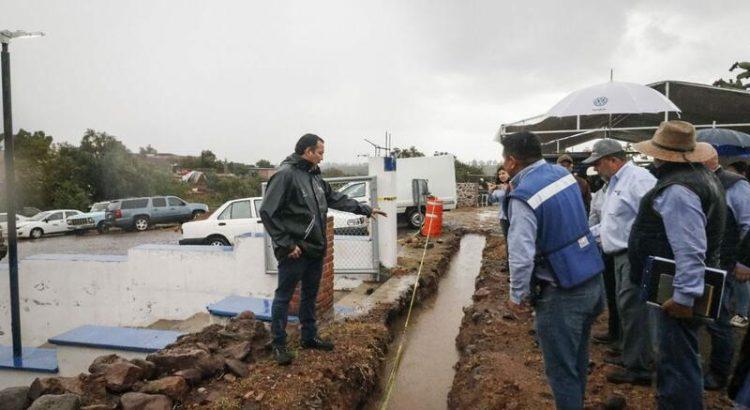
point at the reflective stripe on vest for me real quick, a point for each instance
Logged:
(551, 190)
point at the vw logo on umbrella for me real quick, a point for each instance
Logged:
(600, 101)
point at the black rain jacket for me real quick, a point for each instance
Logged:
(295, 205)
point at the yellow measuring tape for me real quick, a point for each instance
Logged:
(392, 376)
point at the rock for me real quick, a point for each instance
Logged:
(237, 367)
(57, 402)
(192, 376)
(481, 293)
(101, 363)
(45, 385)
(14, 398)
(210, 365)
(173, 386)
(238, 351)
(230, 377)
(148, 368)
(246, 315)
(142, 401)
(112, 406)
(174, 359)
(121, 376)
(615, 402)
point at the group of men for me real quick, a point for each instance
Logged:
(688, 210)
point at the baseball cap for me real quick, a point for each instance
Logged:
(602, 148)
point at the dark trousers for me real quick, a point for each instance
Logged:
(610, 288)
(722, 335)
(679, 381)
(292, 271)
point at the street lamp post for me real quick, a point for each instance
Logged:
(15, 313)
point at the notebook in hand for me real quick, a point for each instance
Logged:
(658, 276)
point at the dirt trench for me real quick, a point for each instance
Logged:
(500, 365)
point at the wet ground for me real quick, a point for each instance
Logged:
(426, 372)
(115, 242)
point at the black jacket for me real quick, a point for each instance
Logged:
(295, 206)
(648, 236)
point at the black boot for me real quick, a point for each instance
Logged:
(317, 343)
(282, 355)
(712, 381)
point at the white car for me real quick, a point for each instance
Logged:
(4, 220)
(240, 216)
(45, 223)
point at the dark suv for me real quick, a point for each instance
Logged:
(140, 213)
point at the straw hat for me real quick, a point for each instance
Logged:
(674, 141)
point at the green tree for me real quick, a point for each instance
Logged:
(208, 160)
(264, 163)
(33, 153)
(147, 150)
(410, 152)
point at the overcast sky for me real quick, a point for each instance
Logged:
(247, 78)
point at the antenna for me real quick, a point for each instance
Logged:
(611, 74)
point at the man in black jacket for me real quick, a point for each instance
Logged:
(294, 215)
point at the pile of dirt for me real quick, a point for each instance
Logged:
(500, 363)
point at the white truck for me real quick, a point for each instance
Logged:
(412, 174)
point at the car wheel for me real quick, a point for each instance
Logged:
(416, 219)
(102, 227)
(198, 214)
(36, 233)
(140, 223)
(217, 240)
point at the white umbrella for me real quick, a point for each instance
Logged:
(613, 98)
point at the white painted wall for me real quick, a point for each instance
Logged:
(61, 292)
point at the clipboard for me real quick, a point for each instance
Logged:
(658, 277)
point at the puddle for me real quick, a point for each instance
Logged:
(426, 373)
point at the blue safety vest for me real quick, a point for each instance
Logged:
(564, 242)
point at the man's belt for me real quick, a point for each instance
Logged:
(617, 253)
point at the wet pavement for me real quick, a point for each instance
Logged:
(115, 242)
(426, 372)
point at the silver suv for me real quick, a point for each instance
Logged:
(140, 213)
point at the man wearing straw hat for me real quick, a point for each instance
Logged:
(681, 218)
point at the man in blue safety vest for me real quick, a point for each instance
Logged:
(554, 257)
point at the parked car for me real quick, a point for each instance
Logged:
(241, 216)
(140, 213)
(3, 246)
(93, 219)
(47, 222)
(4, 220)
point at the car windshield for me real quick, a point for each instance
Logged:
(40, 216)
(101, 206)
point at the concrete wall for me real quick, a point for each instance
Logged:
(468, 192)
(60, 292)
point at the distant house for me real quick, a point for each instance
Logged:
(196, 179)
(264, 173)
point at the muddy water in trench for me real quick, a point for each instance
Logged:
(426, 372)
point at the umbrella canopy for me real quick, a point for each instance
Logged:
(724, 136)
(728, 143)
(613, 98)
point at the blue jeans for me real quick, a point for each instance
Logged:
(679, 380)
(741, 298)
(563, 325)
(292, 271)
(722, 335)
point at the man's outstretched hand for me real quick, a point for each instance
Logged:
(377, 212)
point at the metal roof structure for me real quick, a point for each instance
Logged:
(702, 105)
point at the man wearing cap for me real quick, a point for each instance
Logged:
(566, 161)
(681, 218)
(737, 191)
(557, 262)
(627, 183)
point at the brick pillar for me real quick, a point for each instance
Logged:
(324, 302)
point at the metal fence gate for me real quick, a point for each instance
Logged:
(355, 242)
